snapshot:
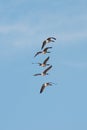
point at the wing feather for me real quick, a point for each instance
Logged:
(44, 43)
(47, 48)
(47, 69)
(36, 74)
(52, 38)
(42, 88)
(46, 60)
(38, 53)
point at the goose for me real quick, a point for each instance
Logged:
(43, 52)
(49, 39)
(44, 72)
(44, 62)
(45, 85)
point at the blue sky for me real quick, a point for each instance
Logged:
(24, 25)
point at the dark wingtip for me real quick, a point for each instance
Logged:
(35, 55)
(53, 38)
(51, 66)
(40, 92)
(42, 47)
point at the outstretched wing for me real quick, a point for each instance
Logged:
(42, 88)
(52, 38)
(47, 69)
(38, 53)
(50, 83)
(44, 43)
(47, 48)
(46, 60)
(36, 74)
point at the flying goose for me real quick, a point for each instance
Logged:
(49, 39)
(44, 62)
(45, 85)
(44, 72)
(43, 52)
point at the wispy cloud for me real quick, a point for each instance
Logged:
(33, 27)
(11, 28)
(72, 36)
(29, 35)
(73, 64)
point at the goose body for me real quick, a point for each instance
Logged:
(43, 52)
(44, 62)
(45, 85)
(44, 72)
(49, 39)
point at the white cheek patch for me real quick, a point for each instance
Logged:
(45, 84)
(43, 52)
(47, 41)
(42, 65)
(43, 74)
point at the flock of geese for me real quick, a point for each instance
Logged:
(44, 64)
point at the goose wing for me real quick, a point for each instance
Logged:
(36, 74)
(50, 83)
(43, 44)
(47, 48)
(46, 60)
(38, 53)
(42, 88)
(47, 69)
(51, 38)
